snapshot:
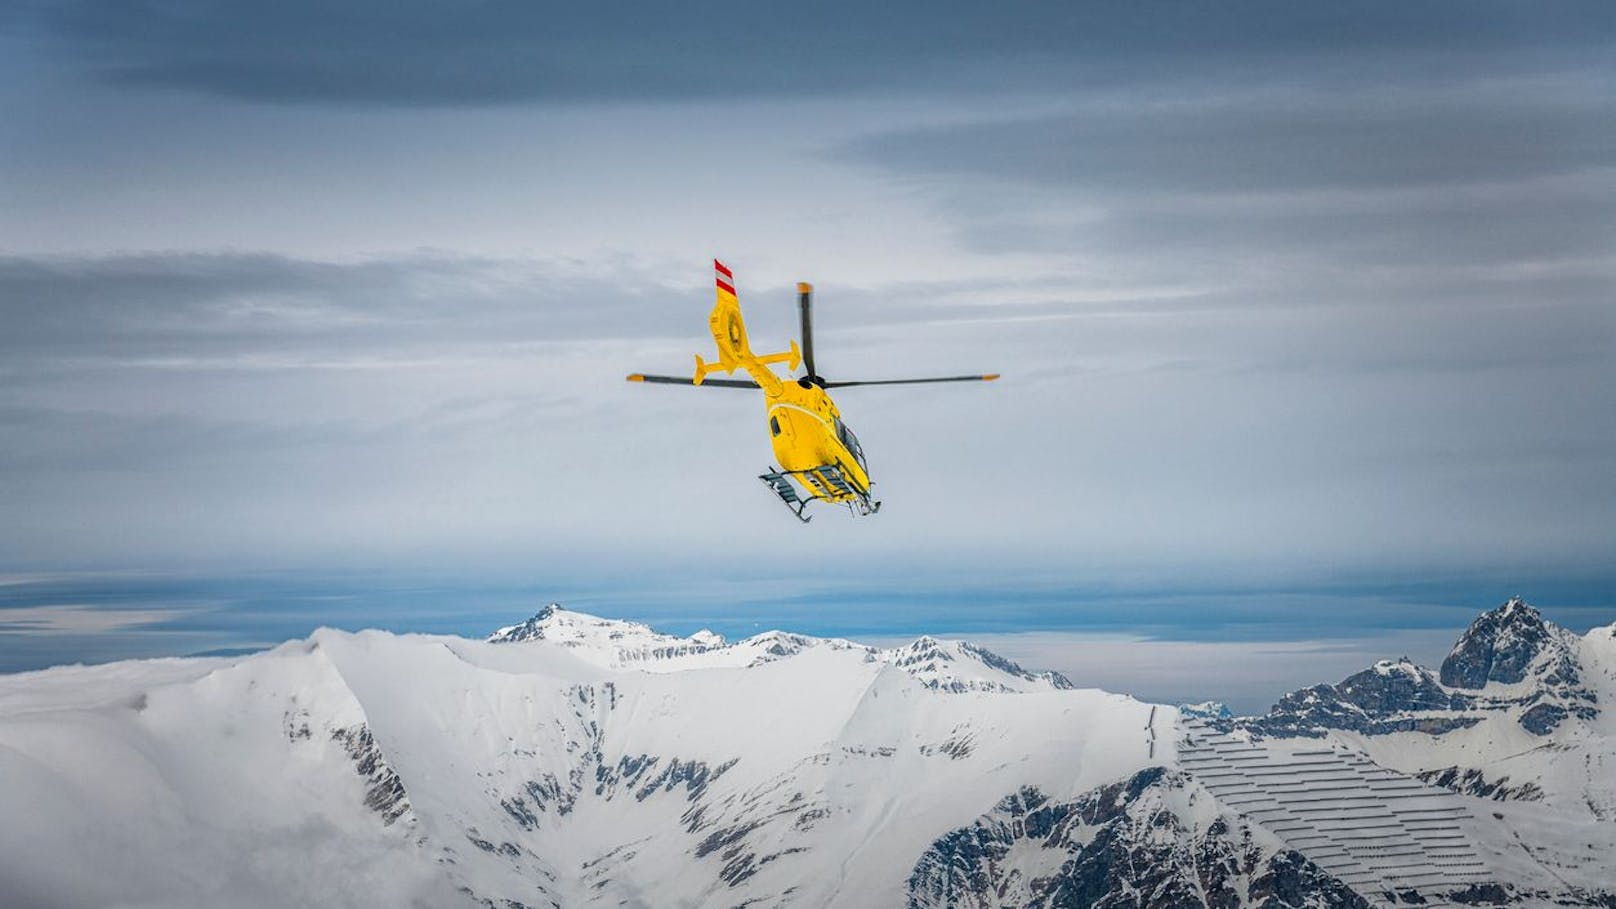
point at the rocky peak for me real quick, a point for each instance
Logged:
(1498, 646)
(530, 630)
(920, 650)
(707, 638)
(1391, 686)
(774, 645)
(962, 666)
(609, 641)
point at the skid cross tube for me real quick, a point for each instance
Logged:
(817, 483)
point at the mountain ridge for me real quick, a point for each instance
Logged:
(949, 665)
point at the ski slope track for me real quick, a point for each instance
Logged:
(575, 761)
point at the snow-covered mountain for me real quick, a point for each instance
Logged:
(572, 760)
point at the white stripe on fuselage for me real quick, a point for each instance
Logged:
(775, 407)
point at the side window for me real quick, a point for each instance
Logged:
(852, 443)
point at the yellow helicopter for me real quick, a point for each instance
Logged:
(814, 447)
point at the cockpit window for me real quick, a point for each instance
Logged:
(852, 443)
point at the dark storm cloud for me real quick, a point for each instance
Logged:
(424, 52)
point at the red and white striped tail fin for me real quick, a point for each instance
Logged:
(724, 277)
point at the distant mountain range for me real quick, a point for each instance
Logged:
(575, 761)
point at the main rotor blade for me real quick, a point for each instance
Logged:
(686, 380)
(805, 303)
(989, 377)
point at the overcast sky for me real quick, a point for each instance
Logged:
(1287, 298)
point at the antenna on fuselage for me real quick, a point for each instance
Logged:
(805, 304)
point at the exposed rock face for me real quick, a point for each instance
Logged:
(1541, 719)
(1393, 686)
(1471, 781)
(1133, 843)
(1391, 696)
(1498, 647)
(384, 791)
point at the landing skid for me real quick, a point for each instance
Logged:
(796, 488)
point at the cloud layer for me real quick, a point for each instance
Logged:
(425, 52)
(217, 406)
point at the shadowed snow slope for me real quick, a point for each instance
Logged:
(578, 761)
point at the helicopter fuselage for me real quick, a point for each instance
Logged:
(807, 432)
